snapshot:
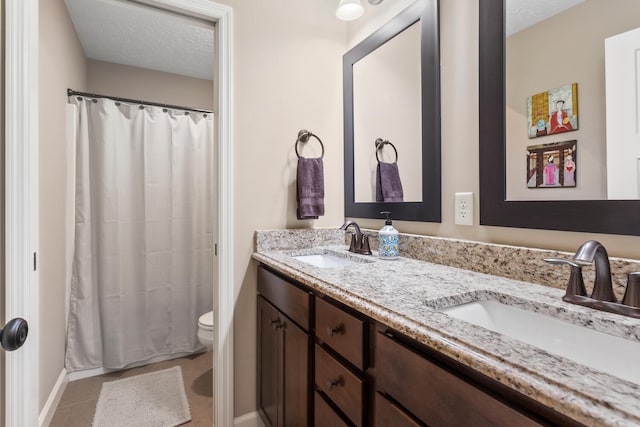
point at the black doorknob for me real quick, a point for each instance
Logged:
(14, 334)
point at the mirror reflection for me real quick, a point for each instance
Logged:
(572, 120)
(392, 96)
(387, 108)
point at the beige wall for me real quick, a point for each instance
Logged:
(537, 62)
(62, 65)
(288, 76)
(106, 78)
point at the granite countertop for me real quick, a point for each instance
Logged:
(404, 294)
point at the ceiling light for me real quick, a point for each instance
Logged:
(348, 10)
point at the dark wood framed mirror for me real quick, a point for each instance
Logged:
(596, 216)
(428, 204)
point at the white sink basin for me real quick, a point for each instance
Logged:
(598, 350)
(327, 260)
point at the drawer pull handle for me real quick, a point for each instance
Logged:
(335, 330)
(335, 383)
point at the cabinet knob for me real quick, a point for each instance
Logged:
(335, 383)
(335, 330)
(275, 323)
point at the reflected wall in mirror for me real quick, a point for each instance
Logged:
(392, 93)
(556, 43)
(598, 216)
(387, 105)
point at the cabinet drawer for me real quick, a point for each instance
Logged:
(324, 415)
(341, 331)
(341, 386)
(288, 298)
(436, 396)
(389, 414)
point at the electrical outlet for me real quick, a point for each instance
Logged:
(464, 209)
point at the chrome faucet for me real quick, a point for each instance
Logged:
(359, 240)
(588, 252)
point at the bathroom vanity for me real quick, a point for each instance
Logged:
(367, 344)
(364, 373)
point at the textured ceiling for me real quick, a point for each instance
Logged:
(130, 34)
(525, 13)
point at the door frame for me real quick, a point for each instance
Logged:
(21, 206)
(21, 201)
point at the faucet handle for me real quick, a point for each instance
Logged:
(562, 261)
(576, 282)
(365, 249)
(353, 246)
(632, 293)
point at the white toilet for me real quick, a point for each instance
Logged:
(205, 330)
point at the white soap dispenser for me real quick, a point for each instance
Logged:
(388, 239)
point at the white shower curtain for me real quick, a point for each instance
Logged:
(143, 262)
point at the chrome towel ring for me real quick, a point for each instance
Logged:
(303, 136)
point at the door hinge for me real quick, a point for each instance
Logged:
(215, 249)
(35, 264)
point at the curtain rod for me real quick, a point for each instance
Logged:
(71, 92)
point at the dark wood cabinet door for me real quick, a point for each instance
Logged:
(269, 364)
(295, 368)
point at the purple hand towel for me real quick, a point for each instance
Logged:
(310, 188)
(388, 184)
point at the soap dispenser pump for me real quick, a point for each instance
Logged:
(388, 239)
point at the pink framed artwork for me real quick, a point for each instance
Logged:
(552, 165)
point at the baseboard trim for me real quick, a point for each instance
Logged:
(252, 419)
(50, 406)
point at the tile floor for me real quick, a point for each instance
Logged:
(78, 402)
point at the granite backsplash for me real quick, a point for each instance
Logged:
(513, 262)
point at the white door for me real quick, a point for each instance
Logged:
(19, 276)
(622, 68)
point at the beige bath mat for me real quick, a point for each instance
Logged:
(156, 399)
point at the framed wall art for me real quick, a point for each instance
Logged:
(553, 112)
(552, 165)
